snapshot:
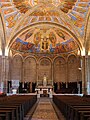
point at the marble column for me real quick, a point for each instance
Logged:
(84, 75)
(23, 73)
(58, 86)
(3, 82)
(88, 74)
(79, 73)
(31, 87)
(67, 74)
(37, 68)
(6, 71)
(52, 79)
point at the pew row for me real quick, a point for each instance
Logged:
(73, 107)
(16, 107)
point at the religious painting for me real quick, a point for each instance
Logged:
(7, 11)
(44, 40)
(76, 10)
(11, 20)
(64, 5)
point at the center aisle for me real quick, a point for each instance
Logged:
(44, 110)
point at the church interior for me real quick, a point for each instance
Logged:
(44, 60)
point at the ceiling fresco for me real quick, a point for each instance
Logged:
(71, 14)
(24, 5)
(44, 40)
(76, 10)
(78, 15)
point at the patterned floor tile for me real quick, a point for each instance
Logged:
(44, 110)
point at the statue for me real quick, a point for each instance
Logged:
(44, 80)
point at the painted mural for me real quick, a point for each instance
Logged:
(44, 40)
(11, 14)
(78, 15)
(75, 9)
(64, 5)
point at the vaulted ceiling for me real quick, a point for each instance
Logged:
(49, 26)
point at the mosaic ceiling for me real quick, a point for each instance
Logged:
(44, 40)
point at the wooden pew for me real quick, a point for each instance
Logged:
(6, 114)
(16, 107)
(73, 107)
(16, 110)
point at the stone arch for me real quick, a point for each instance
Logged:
(59, 70)
(30, 56)
(17, 54)
(46, 58)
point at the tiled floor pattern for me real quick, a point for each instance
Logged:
(44, 109)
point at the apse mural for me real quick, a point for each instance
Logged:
(44, 40)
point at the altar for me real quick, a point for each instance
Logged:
(45, 91)
(44, 87)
